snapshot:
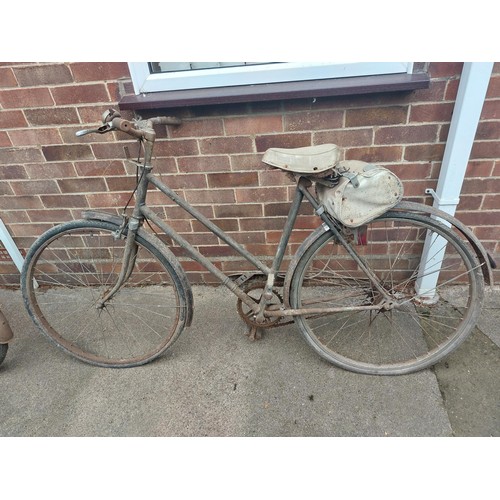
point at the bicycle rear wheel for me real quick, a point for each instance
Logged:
(72, 266)
(414, 331)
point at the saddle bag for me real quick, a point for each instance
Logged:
(364, 191)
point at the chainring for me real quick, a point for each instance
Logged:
(254, 287)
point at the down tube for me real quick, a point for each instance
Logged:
(198, 257)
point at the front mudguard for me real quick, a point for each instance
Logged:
(184, 282)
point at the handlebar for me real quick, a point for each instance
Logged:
(142, 129)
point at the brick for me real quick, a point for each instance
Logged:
(424, 152)
(35, 137)
(98, 71)
(50, 170)
(410, 171)
(19, 202)
(436, 112)
(12, 172)
(435, 92)
(16, 216)
(226, 145)
(488, 131)
(378, 154)
(451, 90)
(65, 201)
(82, 185)
(491, 202)
(250, 237)
(5, 189)
(247, 162)
(488, 233)
(486, 149)
(445, 69)
(232, 179)
(59, 215)
(262, 224)
(391, 115)
(25, 98)
(43, 75)
(204, 164)
(254, 124)
(346, 137)
(281, 209)
(261, 195)
(480, 218)
(77, 94)
(240, 210)
(496, 169)
(314, 120)
(7, 78)
(5, 141)
(491, 110)
(194, 128)
(406, 135)
(481, 168)
(67, 152)
(493, 88)
(213, 196)
(52, 116)
(20, 155)
(291, 140)
(177, 147)
(176, 212)
(12, 119)
(477, 186)
(34, 187)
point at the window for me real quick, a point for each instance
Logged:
(164, 76)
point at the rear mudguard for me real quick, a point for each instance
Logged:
(486, 261)
(6, 334)
(172, 259)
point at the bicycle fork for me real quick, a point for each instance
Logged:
(128, 260)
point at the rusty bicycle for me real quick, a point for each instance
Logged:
(111, 293)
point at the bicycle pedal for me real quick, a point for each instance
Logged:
(254, 333)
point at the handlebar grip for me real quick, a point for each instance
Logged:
(126, 126)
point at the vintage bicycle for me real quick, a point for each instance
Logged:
(110, 292)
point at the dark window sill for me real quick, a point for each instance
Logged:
(277, 91)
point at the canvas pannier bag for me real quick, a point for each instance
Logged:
(364, 192)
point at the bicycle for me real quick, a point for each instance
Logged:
(110, 293)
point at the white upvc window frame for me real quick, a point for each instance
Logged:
(144, 81)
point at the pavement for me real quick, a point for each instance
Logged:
(214, 381)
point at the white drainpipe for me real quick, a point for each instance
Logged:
(466, 113)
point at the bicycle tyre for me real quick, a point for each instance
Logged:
(70, 267)
(412, 336)
(3, 352)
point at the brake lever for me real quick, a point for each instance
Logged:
(101, 130)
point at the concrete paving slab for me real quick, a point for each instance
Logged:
(213, 382)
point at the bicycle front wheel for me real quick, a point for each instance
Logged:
(72, 267)
(431, 310)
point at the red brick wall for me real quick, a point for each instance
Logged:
(47, 175)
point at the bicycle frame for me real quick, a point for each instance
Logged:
(141, 211)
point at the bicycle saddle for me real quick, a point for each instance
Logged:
(308, 160)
